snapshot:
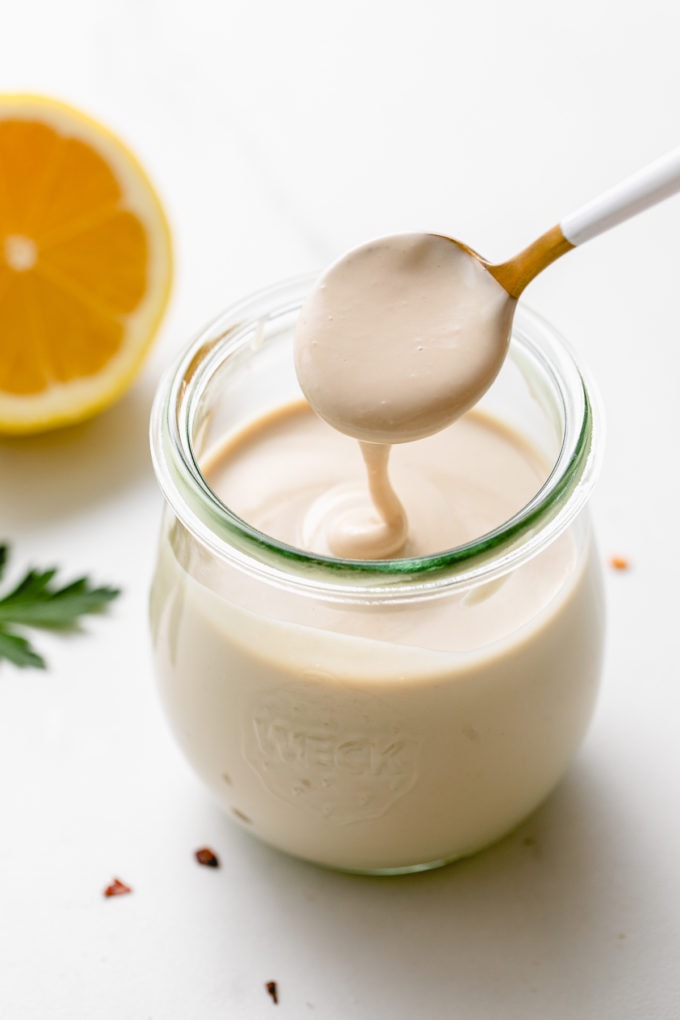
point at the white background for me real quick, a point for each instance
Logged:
(279, 134)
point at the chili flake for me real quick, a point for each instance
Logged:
(207, 857)
(117, 888)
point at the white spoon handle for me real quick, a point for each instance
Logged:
(652, 184)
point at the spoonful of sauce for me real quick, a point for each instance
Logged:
(404, 334)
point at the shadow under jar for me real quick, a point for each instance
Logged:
(378, 717)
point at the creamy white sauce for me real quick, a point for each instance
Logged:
(399, 338)
(371, 734)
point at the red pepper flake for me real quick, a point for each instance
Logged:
(273, 990)
(117, 888)
(619, 563)
(207, 857)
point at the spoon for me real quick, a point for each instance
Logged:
(649, 186)
(404, 334)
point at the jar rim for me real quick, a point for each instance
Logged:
(556, 503)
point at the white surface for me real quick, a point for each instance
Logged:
(641, 190)
(279, 135)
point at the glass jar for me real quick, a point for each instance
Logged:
(348, 712)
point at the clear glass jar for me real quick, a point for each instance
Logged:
(316, 697)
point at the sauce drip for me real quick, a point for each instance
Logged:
(398, 339)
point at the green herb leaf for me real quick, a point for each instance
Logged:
(17, 649)
(37, 602)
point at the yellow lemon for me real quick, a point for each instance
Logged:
(85, 265)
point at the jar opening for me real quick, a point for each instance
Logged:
(244, 357)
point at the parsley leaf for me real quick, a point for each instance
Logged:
(18, 650)
(38, 602)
